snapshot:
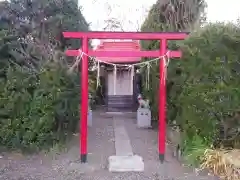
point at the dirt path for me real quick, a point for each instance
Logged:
(66, 165)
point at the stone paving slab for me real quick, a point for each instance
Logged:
(123, 145)
(124, 160)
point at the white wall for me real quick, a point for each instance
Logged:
(123, 83)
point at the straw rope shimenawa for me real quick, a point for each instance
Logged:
(165, 57)
(147, 63)
(222, 163)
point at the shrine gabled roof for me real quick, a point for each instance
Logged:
(119, 45)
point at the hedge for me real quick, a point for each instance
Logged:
(37, 109)
(203, 95)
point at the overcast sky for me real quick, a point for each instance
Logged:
(96, 11)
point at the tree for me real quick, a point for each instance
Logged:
(208, 101)
(175, 15)
(38, 26)
(169, 15)
(121, 21)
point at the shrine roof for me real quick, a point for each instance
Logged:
(119, 45)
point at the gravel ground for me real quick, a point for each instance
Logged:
(66, 165)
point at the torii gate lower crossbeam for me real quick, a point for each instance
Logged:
(163, 37)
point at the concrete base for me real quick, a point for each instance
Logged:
(132, 163)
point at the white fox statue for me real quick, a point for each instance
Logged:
(143, 103)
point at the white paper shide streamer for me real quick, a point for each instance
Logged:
(115, 79)
(148, 76)
(131, 82)
(98, 74)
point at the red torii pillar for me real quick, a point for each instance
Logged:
(163, 37)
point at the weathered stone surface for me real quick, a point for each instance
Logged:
(132, 163)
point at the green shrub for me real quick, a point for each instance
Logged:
(203, 94)
(209, 93)
(37, 110)
(194, 149)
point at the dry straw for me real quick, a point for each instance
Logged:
(219, 163)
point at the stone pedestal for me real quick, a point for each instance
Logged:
(143, 118)
(90, 118)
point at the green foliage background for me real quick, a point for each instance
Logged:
(203, 95)
(209, 82)
(37, 109)
(39, 98)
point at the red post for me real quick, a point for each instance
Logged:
(162, 102)
(84, 105)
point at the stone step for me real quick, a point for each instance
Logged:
(126, 114)
(132, 163)
(119, 109)
(120, 96)
(121, 103)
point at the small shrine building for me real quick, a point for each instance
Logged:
(120, 84)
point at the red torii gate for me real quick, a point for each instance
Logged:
(162, 36)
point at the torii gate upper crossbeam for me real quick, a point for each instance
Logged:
(128, 35)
